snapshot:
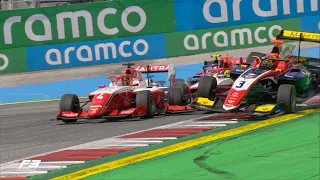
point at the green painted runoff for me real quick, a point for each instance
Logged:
(287, 150)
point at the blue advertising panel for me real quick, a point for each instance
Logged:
(95, 52)
(203, 14)
(310, 23)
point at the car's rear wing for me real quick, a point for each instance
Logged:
(152, 68)
(170, 69)
(299, 36)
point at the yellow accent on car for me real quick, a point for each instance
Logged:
(305, 35)
(227, 73)
(303, 59)
(215, 55)
(264, 108)
(244, 66)
(204, 101)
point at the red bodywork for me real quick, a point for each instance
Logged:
(226, 63)
(110, 102)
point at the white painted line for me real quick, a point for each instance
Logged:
(50, 167)
(137, 141)
(126, 145)
(216, 122)
(101, 143)
(204, 125)
(234, 119)
(302, 105)
(62, 162)
(23, 172)
(156, 138)
(34, 101)
(50, 162)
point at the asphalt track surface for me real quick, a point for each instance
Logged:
(29, 129)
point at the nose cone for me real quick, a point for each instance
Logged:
(94, 110)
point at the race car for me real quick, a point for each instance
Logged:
(127, 95)
(181, 94)
(218, 67)
(270, 86)
(206, 69)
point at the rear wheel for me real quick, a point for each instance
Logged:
(69, 102)
(207, 86)
(146, 98)
(179, 81)
(287, 95)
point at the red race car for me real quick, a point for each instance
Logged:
(182, 93)
(127, 95)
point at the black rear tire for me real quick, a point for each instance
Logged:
(175, 96)
(179, 81)
(287, 95)
(207, 86)
(146, 98)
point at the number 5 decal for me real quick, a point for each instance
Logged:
(241, 83)
(100, 96)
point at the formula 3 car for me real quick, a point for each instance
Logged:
(181, 94)
(270, 86)
(127, 95)
(221, 64)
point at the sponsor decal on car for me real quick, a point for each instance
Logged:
(205, 101)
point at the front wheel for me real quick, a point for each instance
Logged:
(287, 94)
(207, 87)
(69, 102)
(146, 98)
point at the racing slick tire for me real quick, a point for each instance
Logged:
(175, 96)
(317, 79)
(178, 81)
(207, 86)
(146, 97)
(69, 102)
(287, 95)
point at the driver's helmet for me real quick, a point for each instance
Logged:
(224, 74)
(267, 64)
(274, 55)
(126, 81)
